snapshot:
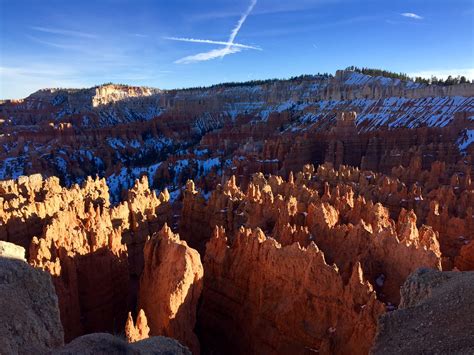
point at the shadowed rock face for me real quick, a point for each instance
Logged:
(435, 316)
(29, 317)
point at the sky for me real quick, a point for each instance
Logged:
(182, 43)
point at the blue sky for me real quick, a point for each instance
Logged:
(57, 43)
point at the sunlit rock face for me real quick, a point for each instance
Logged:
(170, 287)
(72, 233)
(137, 331)
(107, 94)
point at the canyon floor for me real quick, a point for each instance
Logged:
(329, 214)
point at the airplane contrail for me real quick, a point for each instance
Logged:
(237, 28)
(230, 46)
(195, 40)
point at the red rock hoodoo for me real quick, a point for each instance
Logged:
(261, 297)
(138, 331)
(170, 287)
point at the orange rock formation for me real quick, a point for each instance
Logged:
(139, 331)
(72, 233)
(333, 241)
(263, 298)
(170, 287)
(346, 227)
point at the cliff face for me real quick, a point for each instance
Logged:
(170, 287)
(107, 94)
(346, 87)
(260, 297)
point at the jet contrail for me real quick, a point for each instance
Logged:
(212, 54)
(195, 40)
(236, 29)
(230, 46)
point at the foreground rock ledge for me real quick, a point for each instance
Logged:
(435, 316)
(29, 314)
(103, 343)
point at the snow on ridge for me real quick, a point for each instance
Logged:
(355, 78)
(358, 79)
(126, 178)
(466, 139)
(12, 168)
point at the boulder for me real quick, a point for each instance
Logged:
(29, 316)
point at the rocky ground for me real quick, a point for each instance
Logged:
(435, 316)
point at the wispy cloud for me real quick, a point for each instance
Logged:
(270, 8)
(97, 52)
(53, 44)
(412, 15)
(230, 46)
(63, 32)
